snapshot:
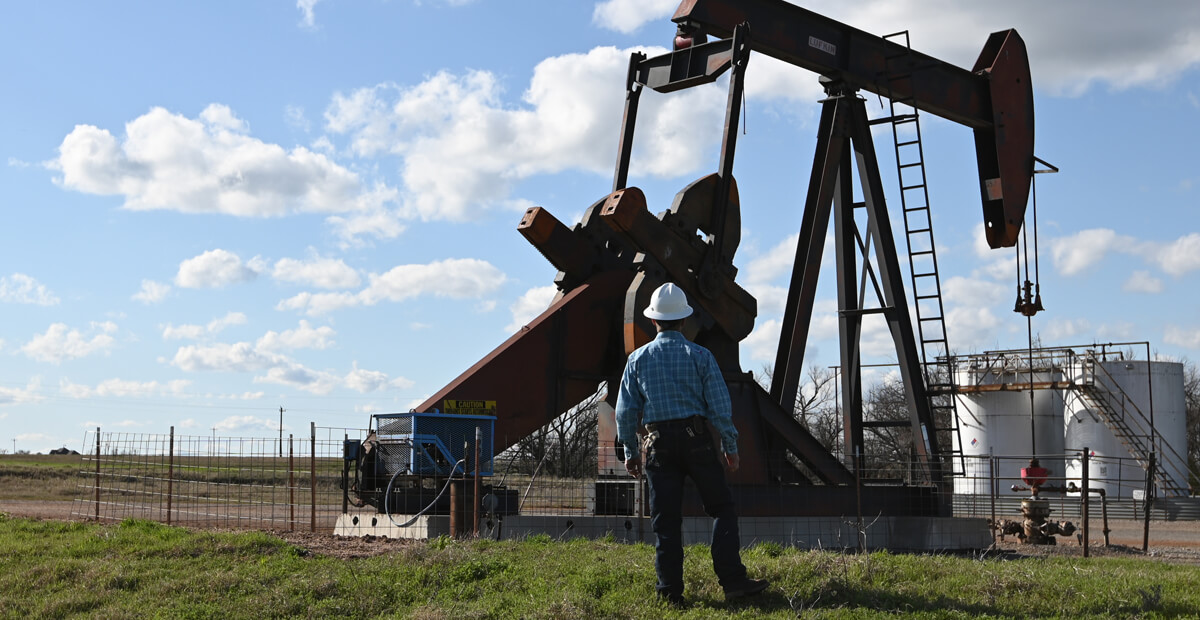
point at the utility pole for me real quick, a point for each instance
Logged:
(281, 432)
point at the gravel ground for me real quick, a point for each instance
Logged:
(1171, 541)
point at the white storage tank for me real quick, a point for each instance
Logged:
(1127, 386)
(994, 415)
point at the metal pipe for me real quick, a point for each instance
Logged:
(1149, 496)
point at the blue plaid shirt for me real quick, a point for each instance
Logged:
(672, 378)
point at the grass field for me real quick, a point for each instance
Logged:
(140, 569)
(136, 569)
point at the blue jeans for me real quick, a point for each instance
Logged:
(671, 455)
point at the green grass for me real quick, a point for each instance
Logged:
(139, 569)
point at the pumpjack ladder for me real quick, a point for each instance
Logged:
(905, 122)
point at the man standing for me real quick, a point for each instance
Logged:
(675, 385)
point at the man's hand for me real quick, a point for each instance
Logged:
(732, 462)
(634, 466)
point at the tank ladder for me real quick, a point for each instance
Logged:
(922, 256)
(1132, 428)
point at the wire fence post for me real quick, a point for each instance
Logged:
(97, 473)
(291, 485)
(993, 489)
(313, 470)
(1085, 481)
(475, 499)
(170, 472)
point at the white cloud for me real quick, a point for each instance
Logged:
(213, 269)
(1178, 257)
(1181, 336)
(246, 423)
(327, 273)
(22, 289)
(1142, 282)
(15, 396)
(205, 165)
(195, 332)
(1060, 330)
(297, 376)
(628, 15)
(235, 357)
(1074, 254)
(264, 360)
(307, 18)
(151, 292)
(458, 278)
(60, 342)
(364, 381)
(303, 337)
(532, 303)
(462, 148)
(124, 389)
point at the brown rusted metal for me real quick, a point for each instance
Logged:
(995, 98)
(551, 364)
(1005, 150)
(620, 252)
(680, 253)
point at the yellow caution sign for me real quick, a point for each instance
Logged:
(469, 407)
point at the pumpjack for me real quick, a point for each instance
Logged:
(612, 260)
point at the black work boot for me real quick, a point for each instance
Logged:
(747, 587)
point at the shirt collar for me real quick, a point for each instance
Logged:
(669, 334)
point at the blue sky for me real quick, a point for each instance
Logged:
(212, 210)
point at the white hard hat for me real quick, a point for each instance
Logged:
(668, 303)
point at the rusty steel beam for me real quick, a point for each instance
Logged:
(994, 98)
(551, 364)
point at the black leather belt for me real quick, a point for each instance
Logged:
(696, 423)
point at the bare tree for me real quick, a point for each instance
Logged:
(816, 406)
(565, 447)
(887, 450)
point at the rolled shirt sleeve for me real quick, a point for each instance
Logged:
(629, 407)
(719, 408)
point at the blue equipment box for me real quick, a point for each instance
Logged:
(432, 443)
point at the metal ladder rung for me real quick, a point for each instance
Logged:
(918, 231)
